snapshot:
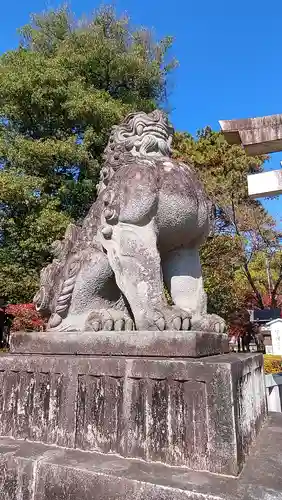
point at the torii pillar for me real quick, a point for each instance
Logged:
(258, 136)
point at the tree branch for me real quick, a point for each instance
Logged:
(276, 286)
(245, 263)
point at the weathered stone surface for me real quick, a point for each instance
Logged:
(147, 225)
(258, 136)
(265, 184)
(199, 413)
(18, 468)
(160, 344)
(32, 471)
(37, 400)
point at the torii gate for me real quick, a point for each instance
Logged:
(258, 136)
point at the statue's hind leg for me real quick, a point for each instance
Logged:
(96, 301)
(183, 277)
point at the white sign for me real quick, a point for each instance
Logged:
(276, 335)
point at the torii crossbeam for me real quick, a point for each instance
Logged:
(258, 136)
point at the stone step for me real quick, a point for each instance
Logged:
(33, 471)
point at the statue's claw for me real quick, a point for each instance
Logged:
(167, 318)
(210, 323)
(109, 320)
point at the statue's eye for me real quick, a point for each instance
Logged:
(105, 173)
(139, 129)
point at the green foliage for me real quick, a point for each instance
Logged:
(61, 91)
(222, 168)
(257, 268)
(243, 233)
(219, 256)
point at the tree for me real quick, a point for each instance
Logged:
(219, 257)
(61, 91)
(243, 232)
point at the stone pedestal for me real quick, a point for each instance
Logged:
(34, 471)
(167, 344)
(137, 395)
(273, 384)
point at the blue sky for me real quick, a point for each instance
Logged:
(229, 54)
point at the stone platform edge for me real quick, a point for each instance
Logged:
(192, 344)
(33, 471)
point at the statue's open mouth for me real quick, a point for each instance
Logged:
(156, 130)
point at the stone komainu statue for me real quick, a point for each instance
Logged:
(145, 228)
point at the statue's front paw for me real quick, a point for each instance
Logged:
(109, 320)
(209, 323)
(166, 318)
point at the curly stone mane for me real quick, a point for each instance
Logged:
(139, 135)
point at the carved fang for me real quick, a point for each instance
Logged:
(107, 232)
(110, 215)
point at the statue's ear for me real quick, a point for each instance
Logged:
(71, 232)
(128, 118)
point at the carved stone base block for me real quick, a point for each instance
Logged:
(164, 344)
(34, 471)
(198, 413)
